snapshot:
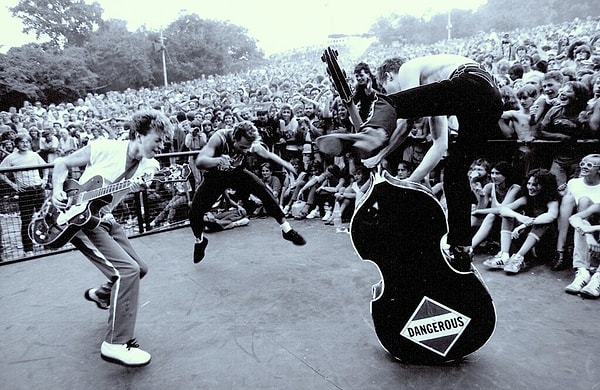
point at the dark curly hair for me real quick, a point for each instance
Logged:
(547, 182)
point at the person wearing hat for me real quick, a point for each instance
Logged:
(28, 184)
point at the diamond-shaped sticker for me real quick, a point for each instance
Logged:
(435, 326)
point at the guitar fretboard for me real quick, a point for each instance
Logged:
(103, 191)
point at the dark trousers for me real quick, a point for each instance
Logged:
(30, 201)
(213, 185)
(472, 96)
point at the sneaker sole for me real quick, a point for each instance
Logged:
(86, 295)
(122, 363)
(493, 267)
(585, 294)
(511, 272)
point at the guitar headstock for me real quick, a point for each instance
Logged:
(172, 173)
(337, 74)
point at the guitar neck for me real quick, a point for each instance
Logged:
(87, 196)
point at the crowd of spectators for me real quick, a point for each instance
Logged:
(549, 76)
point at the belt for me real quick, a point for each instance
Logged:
(476, 70)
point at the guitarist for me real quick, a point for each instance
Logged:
(438, 86)
(107, 245)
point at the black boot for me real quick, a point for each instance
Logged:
(561, 261)
(461, 258)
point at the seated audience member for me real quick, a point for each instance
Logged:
(289, 184)
(501, 191)
(181, 198)
(404, 170)
(349, 197)
(587, 185)
(479, 177)
(228, 214)
(314, 169)
(587, 227)
(321, 188)
(535, 211)
(272, 183)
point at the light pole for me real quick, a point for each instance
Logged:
(449, 25)
(163, 50)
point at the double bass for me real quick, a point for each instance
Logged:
(424, 311)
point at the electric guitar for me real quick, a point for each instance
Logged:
(330, 144)
(424, 311)
(54, 227)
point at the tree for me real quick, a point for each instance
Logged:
(120, 59)
(32, 72)
(65, 22)
(196, 46)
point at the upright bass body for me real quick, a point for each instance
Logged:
(424, 311)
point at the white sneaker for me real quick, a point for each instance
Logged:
(499, 261)
(129, 354)
(326, 216)
(313, 214)
(241, 222)
(582, 277)
(592, 289)
(515, 264)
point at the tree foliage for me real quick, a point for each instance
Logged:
(65, 22)
(196, 46)
(500, 15)
(86, 53)
(32, 72)
(120, 58)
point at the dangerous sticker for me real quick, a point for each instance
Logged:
(435, 326)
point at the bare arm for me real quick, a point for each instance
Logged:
(439, 133)
(79, 158)
(206, 157)
(264, 153)
(595, 118)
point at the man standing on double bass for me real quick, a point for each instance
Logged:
(435, 86)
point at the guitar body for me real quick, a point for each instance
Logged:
(54, 228)
(424, 312)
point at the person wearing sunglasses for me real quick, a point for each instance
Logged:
(582, 192)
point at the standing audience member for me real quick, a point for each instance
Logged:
(561, 123)
(48, 146)
(26, 183)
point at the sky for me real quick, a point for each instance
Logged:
(277, 25)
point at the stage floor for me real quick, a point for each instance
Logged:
(260, 313)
